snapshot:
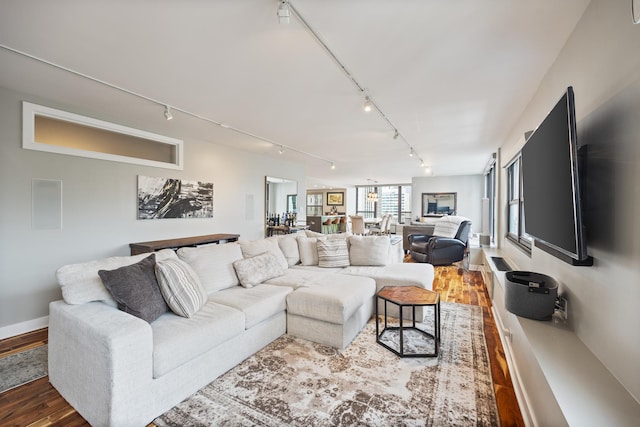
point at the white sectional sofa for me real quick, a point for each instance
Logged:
(117, 369)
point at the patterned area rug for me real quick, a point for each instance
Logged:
(299, 383)
(23, 367)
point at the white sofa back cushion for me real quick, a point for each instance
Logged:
(289, 247)
(213, 264)
(308, 249)
(369, 250)
(80, 283)
(251, 248)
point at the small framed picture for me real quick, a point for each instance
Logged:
(335, 199)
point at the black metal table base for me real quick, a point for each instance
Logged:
(401, 328)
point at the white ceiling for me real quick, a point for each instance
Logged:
(452, 76)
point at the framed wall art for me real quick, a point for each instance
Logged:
(160, 198)
(335, 199)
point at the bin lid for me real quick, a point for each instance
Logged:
(531, 279)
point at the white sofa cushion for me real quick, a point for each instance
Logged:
(332, 298)
(308, 249)
(301, 276)
(180, 287)
(177, 340)
(333, 253)
(258, 303)
(255, 270)
(401, 274)
(213, 264)
(80, 283)
(251, 248)
(289, 247)
(369, 250)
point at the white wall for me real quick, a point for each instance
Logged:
(469, 199)
(99, 208)
(601, 62)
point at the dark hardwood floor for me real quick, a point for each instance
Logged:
(39, 404)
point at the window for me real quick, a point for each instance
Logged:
(56, 131)
(515, 211)
(392, 199)
(489, 200)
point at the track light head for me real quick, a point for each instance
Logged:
(333, 166)
(367, 106)
(395, 134)
(284, 14)
(411, 153)
(281, 150)
(167, 113)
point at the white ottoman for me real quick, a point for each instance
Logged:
(332, 310)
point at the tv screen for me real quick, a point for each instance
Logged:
(551, 182)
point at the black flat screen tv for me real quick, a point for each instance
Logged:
(551, 185)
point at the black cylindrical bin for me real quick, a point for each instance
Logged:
(531, 295)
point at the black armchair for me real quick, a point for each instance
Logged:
(437, 250)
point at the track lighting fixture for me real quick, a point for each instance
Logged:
(421, 163)
(333, 166)
(367, 106)
(411, 153)
(167, 113)
(281, 150)
(284, 14)
(395, 134)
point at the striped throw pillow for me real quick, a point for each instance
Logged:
(180, 287)
(333, 253)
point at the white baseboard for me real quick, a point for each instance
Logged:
(516, 379)
(23, 327)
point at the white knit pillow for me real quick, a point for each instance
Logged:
(180, 287)
(255, 270)
(333, 253)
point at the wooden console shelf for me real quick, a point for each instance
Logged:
(156, 245)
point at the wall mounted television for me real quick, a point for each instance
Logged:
(551, 182)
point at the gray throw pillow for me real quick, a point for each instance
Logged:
(135, 289)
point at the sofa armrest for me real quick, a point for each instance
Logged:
(418, 238)
(99, 357)
(445, 242)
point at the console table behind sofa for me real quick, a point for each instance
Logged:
(156, 245)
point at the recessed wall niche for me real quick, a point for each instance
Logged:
(56, 131)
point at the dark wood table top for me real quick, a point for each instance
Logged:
(156, 245)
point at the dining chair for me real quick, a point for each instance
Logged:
(357, 224)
